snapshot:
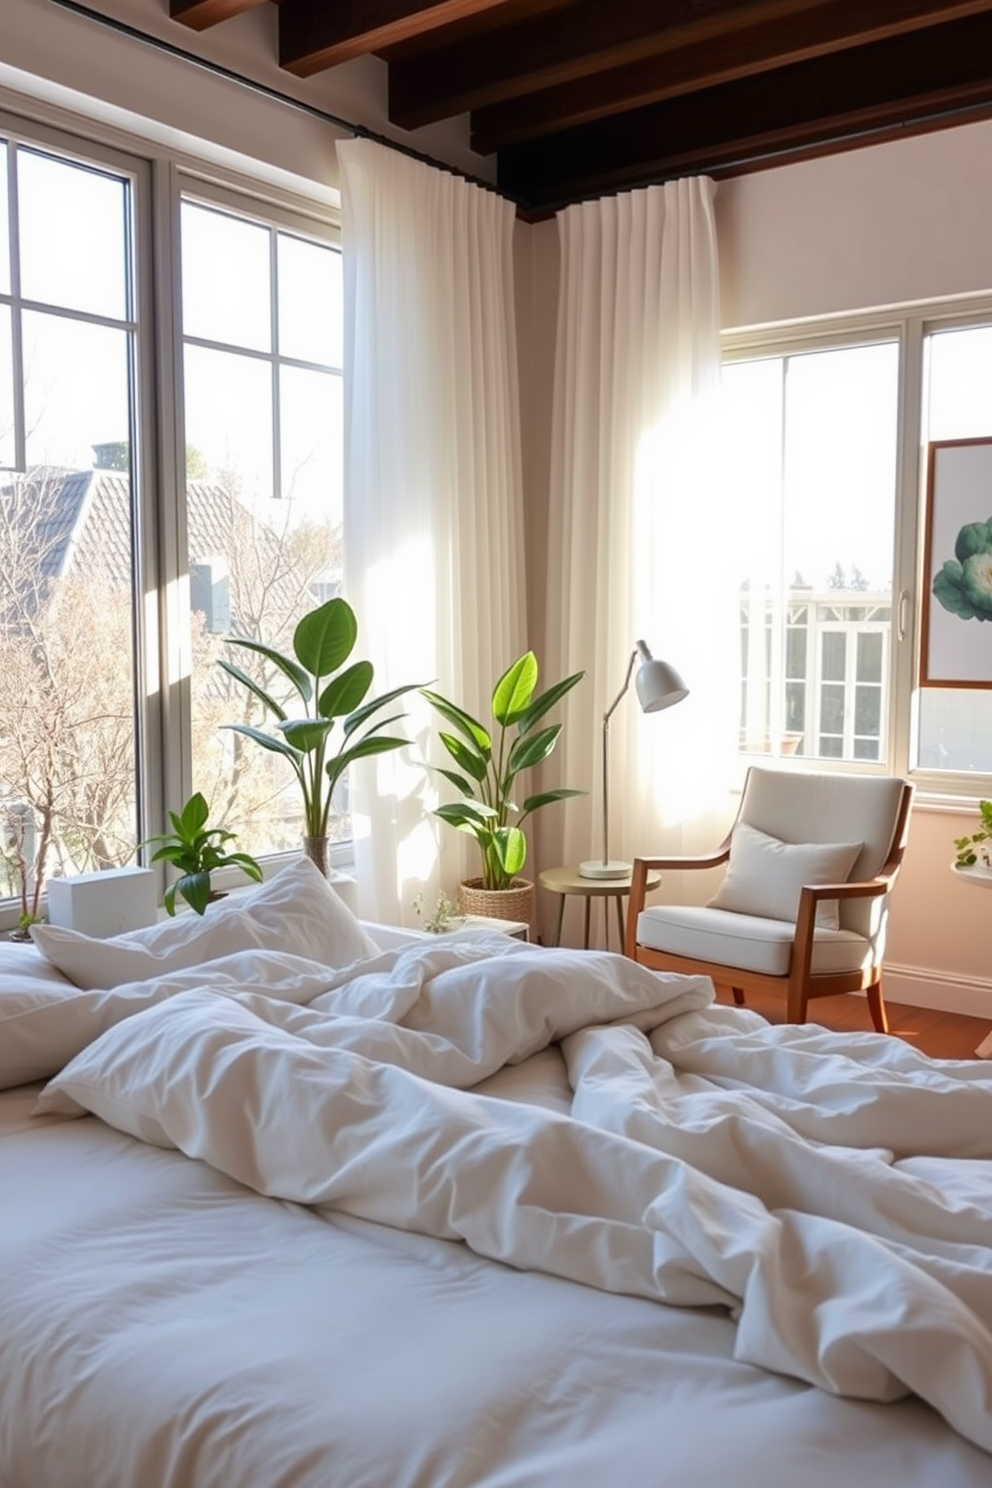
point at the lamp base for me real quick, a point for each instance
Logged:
(598, 869)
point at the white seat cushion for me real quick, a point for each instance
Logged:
(745, 941)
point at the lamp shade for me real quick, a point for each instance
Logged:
(657, 684)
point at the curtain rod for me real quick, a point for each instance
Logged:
(264, 90)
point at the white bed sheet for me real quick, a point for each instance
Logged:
(163, 1327)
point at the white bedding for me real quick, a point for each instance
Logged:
(241, 1340)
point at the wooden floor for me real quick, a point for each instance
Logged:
(941, 1035)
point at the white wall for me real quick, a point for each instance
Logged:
(882, 225)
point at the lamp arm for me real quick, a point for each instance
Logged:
(606, 754)
(620, 695)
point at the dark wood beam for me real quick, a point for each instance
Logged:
(818, 32)
(597, 60)
(317, 34)
(915, 81)
(199, 14)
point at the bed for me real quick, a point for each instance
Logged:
(295, 1207)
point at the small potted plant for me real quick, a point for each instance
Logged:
(195, 850)
(489, 762)
(975, 849)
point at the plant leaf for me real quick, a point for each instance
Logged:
(305, 734)
(286, 665)
(465, 757)
(547, 701)
(463, 786)
(531, 750)
(194, 814)
(266, 740)
(356, 719)
(346, 691)
(472, 816)
(371, 744)
(545, 798)
(511, 846)
(463, 722)
(195, 889)
(513, 692)
(324, 639)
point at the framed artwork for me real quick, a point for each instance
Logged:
(956, 638)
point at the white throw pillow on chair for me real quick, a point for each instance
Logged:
(765, 876)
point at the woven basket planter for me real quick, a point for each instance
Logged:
(514, 903)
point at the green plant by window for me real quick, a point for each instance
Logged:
(490, 762)
(972, 849)
(195, 850)
(322, 642)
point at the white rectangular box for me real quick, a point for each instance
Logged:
(102, 904)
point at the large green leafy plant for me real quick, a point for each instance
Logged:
(195, 850)
(489, 762)
(331, 694)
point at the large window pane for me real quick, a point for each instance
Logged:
(814, 441)
(73, 230)
(67, 673)
(229, 420)
(310, 302)
(264, 496)
(75, 389)
(226, 274)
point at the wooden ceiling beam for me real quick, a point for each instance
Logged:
(829, 103)
(317, 34)
(819, 32)
(200, 14)
(598, 60)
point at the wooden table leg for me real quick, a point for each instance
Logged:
(620, 925)
(561, 916)
(588, 898)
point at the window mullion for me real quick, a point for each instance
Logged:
(905, 585)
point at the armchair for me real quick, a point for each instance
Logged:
(802, 910)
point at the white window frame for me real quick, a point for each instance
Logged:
(160, 178)
(908, 326)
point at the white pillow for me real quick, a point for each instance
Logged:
(764, 875)
(296, 911)
(45, 1024)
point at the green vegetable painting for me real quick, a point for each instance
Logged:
(964, 584)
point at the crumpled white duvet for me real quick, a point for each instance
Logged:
(707, 1159)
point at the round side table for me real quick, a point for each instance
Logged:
(566, 882)
(981, 878)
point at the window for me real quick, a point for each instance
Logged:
(113, 709)
(69, 330)
(814, 439)
(262, 353)
(829, 560)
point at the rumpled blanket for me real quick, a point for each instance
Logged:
(824, 1188)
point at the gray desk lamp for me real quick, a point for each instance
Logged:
(657, 686)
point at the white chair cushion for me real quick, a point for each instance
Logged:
(765, 875)
(749, 942)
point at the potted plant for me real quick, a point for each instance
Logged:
(489, 763)
(322, 642)
(975, 850)
(195, 850)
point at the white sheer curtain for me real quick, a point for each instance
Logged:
(639, 539)
(433, 507)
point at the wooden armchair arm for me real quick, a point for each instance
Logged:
(811, 895)
(639, 883)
